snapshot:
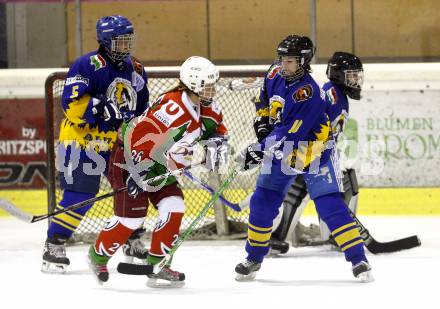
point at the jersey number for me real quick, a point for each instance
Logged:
(296, 125)
(74, 92)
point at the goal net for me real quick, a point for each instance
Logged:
(237, 89)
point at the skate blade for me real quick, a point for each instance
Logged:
(366, 277)
(53, 268)
(244, 278)
(159, 283)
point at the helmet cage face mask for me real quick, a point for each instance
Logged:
(351, 81)
(207, 94)
(121, 46)
(354, 78)
(115, 34)
(345, 70)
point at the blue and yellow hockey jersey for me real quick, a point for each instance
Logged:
(337, 107)
(298, 112)
(94, 75)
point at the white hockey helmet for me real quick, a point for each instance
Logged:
(197, 72)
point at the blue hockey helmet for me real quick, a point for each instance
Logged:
(116, 34)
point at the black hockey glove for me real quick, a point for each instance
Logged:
(262, 127)
(250, 157)
(108, 111)
(216, 152)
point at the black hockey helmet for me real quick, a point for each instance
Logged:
(346, 70)
(297, 46)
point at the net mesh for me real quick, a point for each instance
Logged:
(235, 95)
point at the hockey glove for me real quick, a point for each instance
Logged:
(262, 127)
(108, 111)
(179, 155)
(250, 157)
(216, 152)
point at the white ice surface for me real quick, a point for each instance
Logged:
(304, 278)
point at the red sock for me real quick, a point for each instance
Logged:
(165, 234)
(111, 238)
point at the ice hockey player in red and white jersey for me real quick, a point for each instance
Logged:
(160, 140)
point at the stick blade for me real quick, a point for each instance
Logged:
(15, 211)
(135, 269)
(410, 242)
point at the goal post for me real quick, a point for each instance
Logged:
(237, 88)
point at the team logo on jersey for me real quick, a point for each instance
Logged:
(121, 92)
(303, 93)
(168, 112)
(273, 72)
(98, 62)
(332, 96)
(276, 104)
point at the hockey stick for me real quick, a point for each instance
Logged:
(372, 244)
(243, 204)
(29, 218)
(376, 247)
(237, 207)
(139, 269)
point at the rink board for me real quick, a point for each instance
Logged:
(372, 201)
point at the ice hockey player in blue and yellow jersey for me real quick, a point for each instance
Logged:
(299, 141)
(345, 73)
(102, 89)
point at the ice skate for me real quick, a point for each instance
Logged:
(54, 256)
(100, 271)
(247, 270)
(362, 271)
(278, 247)
(135, 247)
(166, 278)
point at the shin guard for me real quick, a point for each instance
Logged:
(164, 235)
(333, 211)
(264, 206)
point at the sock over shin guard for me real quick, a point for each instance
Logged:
(333, 211)
(64, 225)
(264, 207)
(110, 239)
(164, 235)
